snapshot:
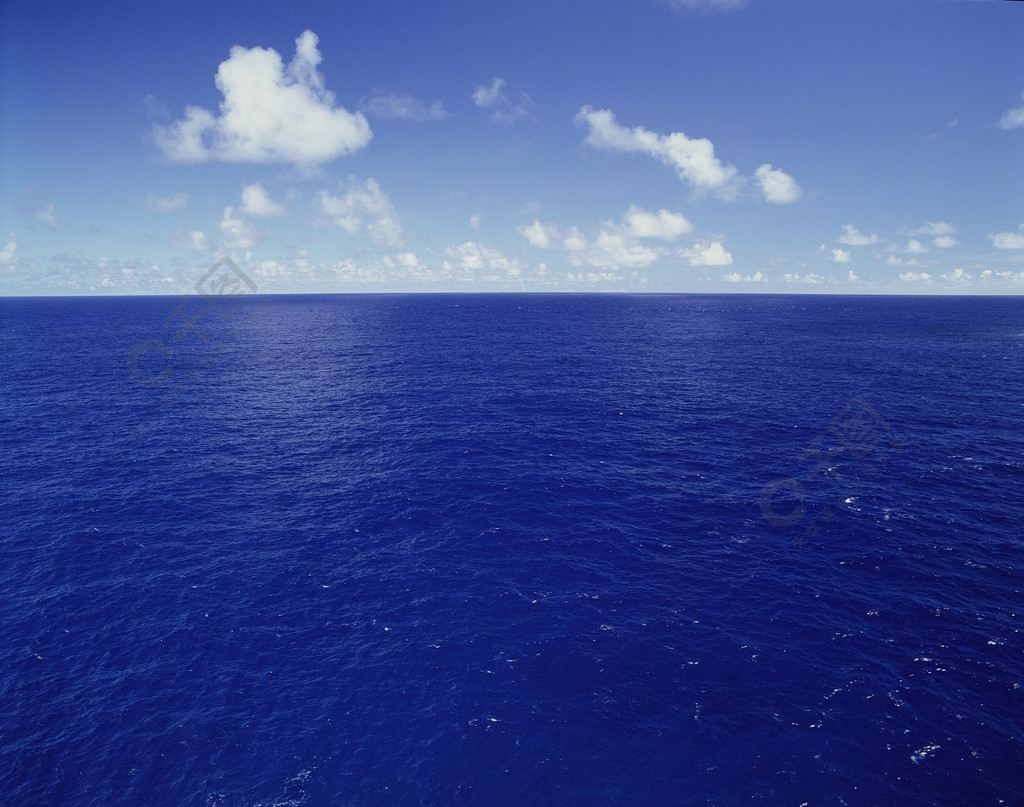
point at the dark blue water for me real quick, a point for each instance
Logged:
(522, 550)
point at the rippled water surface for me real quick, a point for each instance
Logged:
(512, 549)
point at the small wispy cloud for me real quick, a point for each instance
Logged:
(913, 247)
(705, 5)
(363, 207)
(736, 277)
(934, 228)
(194, 239)
(855, 238)
(166, 204)
(403, 107)
(47, 214)
(811, 278)
(236, 231)
(941, 233)
(505, 107)
(958, 275)
(1008, 240)
(9, 251)
(256, 202)
(1013, 118)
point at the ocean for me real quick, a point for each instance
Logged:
(512, 550)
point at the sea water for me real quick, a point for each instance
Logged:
(512, 549)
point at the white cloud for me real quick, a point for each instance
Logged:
(238, 233)
(934, 228)
(958, 276)
(505, 109)
(915, 277)
(539, 235)
(70, 272)
(196, 239)
(529, 209)
(811, 278)
(706, 5)
(403, 107)
(988, 274)
(941, 233)
(592, 277)
(915, 247)
(1008, 240)
(271, 268)
(489, 96)
(348, 271)
(1013, 118)
(257, 202)
(574, 240)
(663, 224)
(853, 237)
(840, 256)
(615, 248)
(270, 113)
(475, 221)
(851, 276)
(778, 187)
(736, 277)
(693, 160)
(10, 251)
(892, 260)
(182, 141)
(482, 261)
(364, 206)
(708, 254)
(48, 215)
(621, 244)
(166, 204)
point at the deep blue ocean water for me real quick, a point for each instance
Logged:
(512, 550)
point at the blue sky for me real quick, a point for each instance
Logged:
(847, 146)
